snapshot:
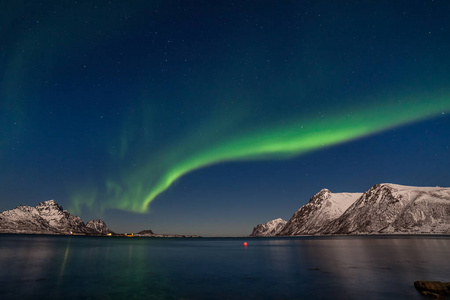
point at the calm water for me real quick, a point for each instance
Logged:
(56, 267)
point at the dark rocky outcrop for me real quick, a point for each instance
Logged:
(433, 289)
(150, 233)
(145, 232)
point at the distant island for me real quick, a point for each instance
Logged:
(50, 218)
(383, 209)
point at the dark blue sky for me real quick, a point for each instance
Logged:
(208, 117)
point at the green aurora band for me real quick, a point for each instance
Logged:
(135, 191)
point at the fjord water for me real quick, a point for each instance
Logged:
(71, 267)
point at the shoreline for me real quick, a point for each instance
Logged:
(177, 236)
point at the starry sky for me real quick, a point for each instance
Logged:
(209, 117)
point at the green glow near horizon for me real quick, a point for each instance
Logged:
(138, 189)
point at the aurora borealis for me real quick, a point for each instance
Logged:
(186, 117)
(288, 141)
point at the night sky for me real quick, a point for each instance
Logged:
(209, 117)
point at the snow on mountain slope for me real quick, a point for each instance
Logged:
(270, 228)
(393, 208)
(47, 217)
(99, 226)
(322, 208)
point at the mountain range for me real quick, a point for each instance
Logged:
(383, 209)
(50, 218)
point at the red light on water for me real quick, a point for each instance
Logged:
(245, 244)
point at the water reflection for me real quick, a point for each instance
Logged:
(27, 264)
(359, 267)
(64, 263)
(291, 268)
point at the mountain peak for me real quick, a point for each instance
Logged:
(270, 228)
(49, 203)
(322, 208)
(99, 226)
(277, 220)
(321, 196)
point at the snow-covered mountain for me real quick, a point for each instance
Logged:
(322, 208)
(99, 226)
(383, 209)
(46, 218)
(392, 208)
(270, 228)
